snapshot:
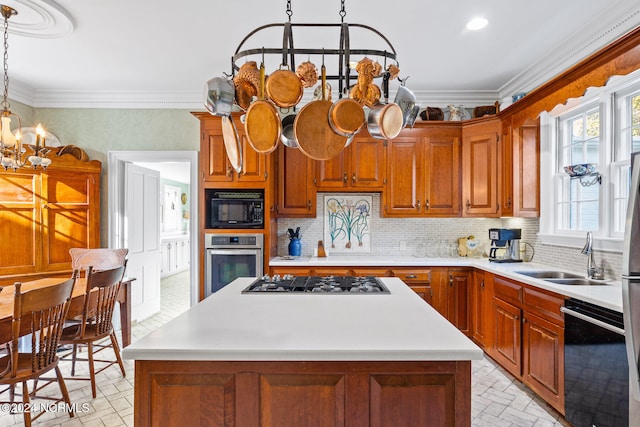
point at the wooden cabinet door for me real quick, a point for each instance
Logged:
(480, 169)
(332, 174)
(508, 336)
(254, 164)
(20, 244)
(478, 307)
(367, 163)
(404, 191)
(458, 300)
(296, 192)
(442, 172)
(526, 177)
(543, 354)
(505, 169)
(70, 216)
(214, 163)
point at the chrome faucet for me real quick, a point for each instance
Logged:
(593, 272)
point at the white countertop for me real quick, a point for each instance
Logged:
(309, 327)
(608, 295)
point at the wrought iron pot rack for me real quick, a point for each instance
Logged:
(344, 52)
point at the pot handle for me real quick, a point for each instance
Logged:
(385, 86)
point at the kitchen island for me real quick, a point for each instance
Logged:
(305, 359)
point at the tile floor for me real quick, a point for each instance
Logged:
(497, 399)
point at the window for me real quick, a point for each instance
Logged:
(603, 128)
(578, 143)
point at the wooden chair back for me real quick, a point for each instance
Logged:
(100, 298)
(98, 258)
(44, 310)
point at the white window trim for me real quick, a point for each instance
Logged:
(548, 235)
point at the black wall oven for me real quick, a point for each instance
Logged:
(229, 256)
(595, 366)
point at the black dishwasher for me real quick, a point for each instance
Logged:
(595, 366)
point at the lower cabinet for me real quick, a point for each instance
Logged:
(528, 337)
(519, 326)
(175, 255)
(418, 279)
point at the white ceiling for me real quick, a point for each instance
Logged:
(156, 53)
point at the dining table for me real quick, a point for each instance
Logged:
(75, 308)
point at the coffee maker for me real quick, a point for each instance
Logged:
(505, 244)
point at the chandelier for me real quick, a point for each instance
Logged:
(12, 151)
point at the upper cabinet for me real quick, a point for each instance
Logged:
(215, 166)
(359, 167)
(296, 192)
(423, 172)
(480, 168)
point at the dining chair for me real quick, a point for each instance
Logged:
(39, 313)
(95, 326)
(98, 258)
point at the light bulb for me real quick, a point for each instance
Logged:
(8, 139)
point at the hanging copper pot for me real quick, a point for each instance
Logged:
(262, 123)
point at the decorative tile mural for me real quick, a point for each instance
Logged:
(347, 223)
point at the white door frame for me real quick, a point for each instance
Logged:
(115, 201)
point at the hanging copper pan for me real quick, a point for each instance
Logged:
(232, 143)
(262, 123)
(346, 117)
(284, 87)
(313, 132)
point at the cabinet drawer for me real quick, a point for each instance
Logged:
(545, 305)
(377, 272)
(417, 275)
(331, 271)
(507, 290)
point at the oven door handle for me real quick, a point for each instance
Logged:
(233, 251)
(592, 320)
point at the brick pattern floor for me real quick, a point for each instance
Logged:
(497, 398)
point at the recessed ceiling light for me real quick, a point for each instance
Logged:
(477, 24)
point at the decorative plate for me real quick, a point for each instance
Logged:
(580, 169)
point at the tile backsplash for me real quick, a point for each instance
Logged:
(400, 236)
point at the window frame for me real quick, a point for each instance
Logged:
(607, 98)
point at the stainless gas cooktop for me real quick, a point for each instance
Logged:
(336, 285)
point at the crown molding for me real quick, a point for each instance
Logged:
(601, 33)
(120, 99)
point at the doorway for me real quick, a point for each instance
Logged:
(116, 199)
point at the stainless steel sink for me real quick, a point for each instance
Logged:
(549, 274)
(576, 282)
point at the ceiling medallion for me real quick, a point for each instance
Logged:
(40, 19)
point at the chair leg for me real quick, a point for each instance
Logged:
(73, 360)
(92, 372)
(64, 391)
(116, 350)
(25, 399)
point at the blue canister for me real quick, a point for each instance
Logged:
(295, 247)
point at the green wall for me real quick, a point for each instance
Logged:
(98, 131)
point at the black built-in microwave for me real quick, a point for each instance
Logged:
(236, 208)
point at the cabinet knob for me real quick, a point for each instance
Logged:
(482, 284)
(419, 205)
(308, 205)
(229, 171)
(508, 202)
(468, 205)
(451, 280)
(344, 177)
(410, 276)
(426, 205)
(353, 178)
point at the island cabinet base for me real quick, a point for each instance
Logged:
(275, 394)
